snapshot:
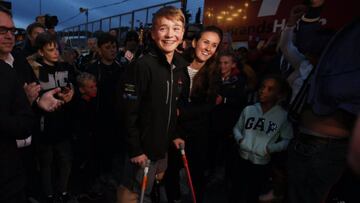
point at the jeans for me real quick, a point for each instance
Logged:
(314, 167)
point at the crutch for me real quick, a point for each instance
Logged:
(144, 181)
(187, 172)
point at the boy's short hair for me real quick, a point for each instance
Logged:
(169, 12)
(80, 79)
(132, 35)
(229, 54)
(105, 38)
(32, 26)
(284, 87)
(43, 39)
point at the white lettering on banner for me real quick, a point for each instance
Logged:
(277, 25)
(268, 8)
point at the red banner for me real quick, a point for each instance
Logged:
(261, 18)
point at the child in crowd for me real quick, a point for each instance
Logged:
(151, 100)
(54, 132)
(83, 124)
(262, 129)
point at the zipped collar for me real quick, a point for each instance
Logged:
(157, 53)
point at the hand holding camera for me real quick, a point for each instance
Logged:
(66, 93)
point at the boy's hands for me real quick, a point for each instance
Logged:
(219, 100)
(66, 94)
(48, 102)
(139, 160)
(177, 142)
(240, 140)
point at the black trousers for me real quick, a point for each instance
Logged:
(248, 181)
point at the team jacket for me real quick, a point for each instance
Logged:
(150, 102)
(262, 133)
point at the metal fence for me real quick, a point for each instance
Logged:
(122, 22)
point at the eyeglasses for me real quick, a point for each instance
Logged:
(4, 30)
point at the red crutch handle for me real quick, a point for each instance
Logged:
(186, 165)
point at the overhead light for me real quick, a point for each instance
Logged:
(235, 14)
(231, 7)
(246, 4)
(229, 19)
(219, 17)
(239, 10)
(244, 17)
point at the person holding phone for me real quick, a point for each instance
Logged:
(53, 135)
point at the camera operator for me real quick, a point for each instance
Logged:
(50, 22)
(32, 31)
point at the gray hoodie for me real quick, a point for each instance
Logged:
(260, 134)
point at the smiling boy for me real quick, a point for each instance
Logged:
(151, 99)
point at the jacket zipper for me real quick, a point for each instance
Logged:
(171, 93)
(167, 92)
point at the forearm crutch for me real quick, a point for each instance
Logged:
(144, 181)
(187, 172)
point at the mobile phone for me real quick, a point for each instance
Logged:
(64, 89)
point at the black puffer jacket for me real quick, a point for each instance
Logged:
(151, 104)
(195, 105)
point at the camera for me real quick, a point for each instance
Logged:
(48, 21)
(51, 21)
(64, 89)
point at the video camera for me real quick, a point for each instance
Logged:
(48, 21)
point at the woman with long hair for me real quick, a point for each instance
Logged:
(198, 97)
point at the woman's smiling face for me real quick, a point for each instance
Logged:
(206, 46)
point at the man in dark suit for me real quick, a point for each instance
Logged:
(16, 117)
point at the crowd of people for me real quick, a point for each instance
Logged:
(274, 120)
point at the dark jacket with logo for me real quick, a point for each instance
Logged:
(151, 104)
(53, 126)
